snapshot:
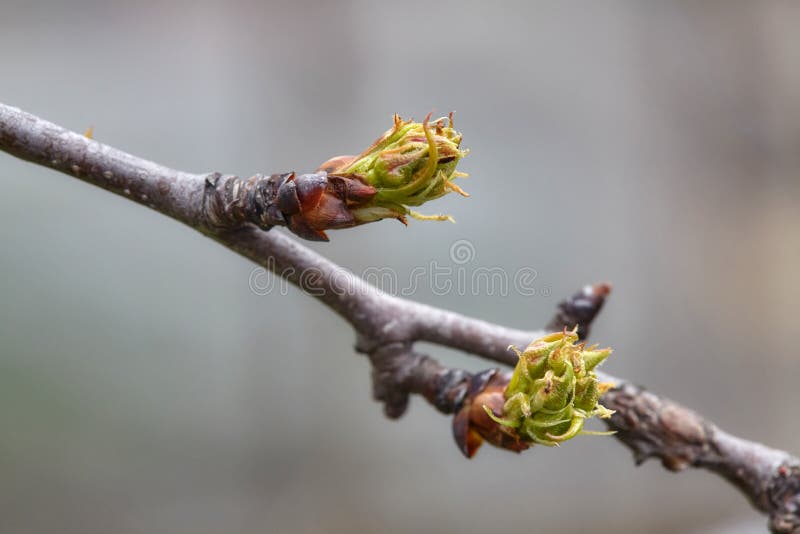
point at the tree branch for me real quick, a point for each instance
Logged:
(387, 326)
(654, 427)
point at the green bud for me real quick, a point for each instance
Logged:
(553, 390)
(409, 165)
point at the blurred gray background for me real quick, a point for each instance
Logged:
(144, 388)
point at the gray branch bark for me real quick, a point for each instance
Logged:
(386, 326)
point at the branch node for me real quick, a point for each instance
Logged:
(398, 371)
(580, 309)
(451, 389)
(390, 373)
(230, 201)
(783, 493)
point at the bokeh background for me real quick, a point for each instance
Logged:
(144, 388)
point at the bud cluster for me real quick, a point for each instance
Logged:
(553, 390)
(409, 165)
(548, 398)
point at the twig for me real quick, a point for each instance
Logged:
(387, 326)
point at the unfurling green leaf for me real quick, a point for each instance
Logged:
(409, 165)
